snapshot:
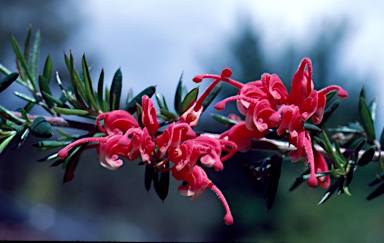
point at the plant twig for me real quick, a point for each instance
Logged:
(61, 122)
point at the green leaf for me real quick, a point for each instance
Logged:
(34, 61)
(47, 73)
(161, 182)
(66, 111)
(179, 96)
(88, 84)
(148, 176)
(20, 58)
(224, 119)
(312, 127)
(382, 139)
(273, 179)
(211, 96)
(41, 128)
(52, 99)
(7, 81)
(100, 88)
(160, 102)
(67, 95)
(131, 106)
(169, 115)
(115, 91)
(189, 99)
(367, 156)
(372, 108)
(9, 115)
(359, 147)
(329, 111)
(379, 178)
(377, 192)
(22, 137)
(299, 180)
(77, 84)
(6, 141)
(51, 143)
(366, 118)
(45, 90)
(331, 190)
(27, 42)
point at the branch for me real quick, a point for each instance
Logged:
(61, 122)
(285, 147)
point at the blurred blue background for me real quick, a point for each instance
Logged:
(153, 43)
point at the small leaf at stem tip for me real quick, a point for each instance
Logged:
(66, 111)
(47, 73)
(51, 143)
(379, 178)
(7, 81)
(88, 84)
(9, 115)
(372, 108)
(41, 128)
(312, 127)
(273, 179)
(331, 190)
(115, 91)
(211, 96)
(148, 177)
(6, 141)
(169, 115)
(100, 89)
(48, 157)
(131, 106)
(367, 156)
(45, 90)
(161, 184)
(159, 100)
(329, 111)
(224, 119)
(189, 99)
(21, 138)
(382, 139)
(359, 147)
(35, 54)
(52, 99)
(366, 119)
(377, 192)
(27, 42)
(179, 95)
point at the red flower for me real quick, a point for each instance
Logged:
(196, 183)
(116, 122)
(149, 118)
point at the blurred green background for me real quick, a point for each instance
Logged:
(103, 205)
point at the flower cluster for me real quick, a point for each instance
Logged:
(129, 138)
(266, 104)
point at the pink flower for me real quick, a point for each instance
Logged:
(116, 122)
(173, 135)
(108, 150)
(196, 183)
(149, 118)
